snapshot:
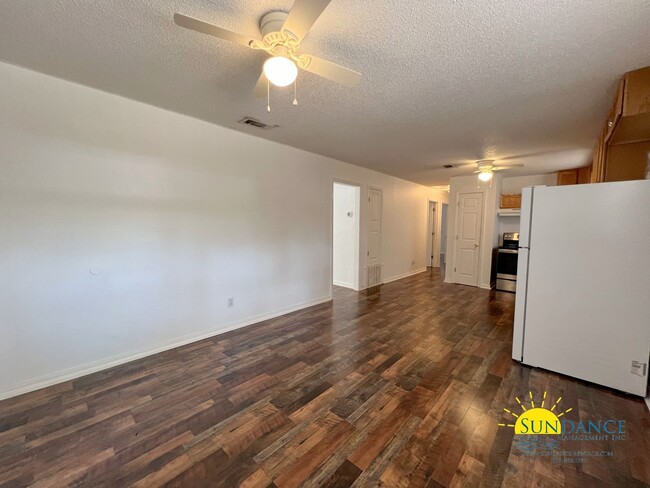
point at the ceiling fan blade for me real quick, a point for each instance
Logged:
(332, 71)
(303, 15)
(211, 30)
(506, 166)
(261, 87)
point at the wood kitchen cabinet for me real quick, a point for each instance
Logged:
(628, 161)
(584, 175)
(636, 99)
(576, 176)
(567, 177)
(622, 151)
(598, 164)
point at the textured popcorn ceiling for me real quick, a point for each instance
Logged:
(444, 81)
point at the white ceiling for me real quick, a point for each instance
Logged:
(444, 82)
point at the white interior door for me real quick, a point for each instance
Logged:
(468, 238)
(374, 226)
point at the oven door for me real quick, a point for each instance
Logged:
(507, 264)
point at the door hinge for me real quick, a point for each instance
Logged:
(454, 270)
(367, 253)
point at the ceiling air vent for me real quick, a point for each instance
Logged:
(447, 165)
(256, 123)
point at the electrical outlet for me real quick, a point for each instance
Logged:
(231, 302)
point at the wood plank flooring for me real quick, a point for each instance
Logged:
(401, 388)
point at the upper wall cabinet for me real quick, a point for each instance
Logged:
(623, 148)
(637, 93)
(576, 176)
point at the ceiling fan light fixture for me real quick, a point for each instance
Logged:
(280, 71)
(485, 175)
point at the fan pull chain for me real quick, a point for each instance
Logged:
(268, 96)
(295, 98)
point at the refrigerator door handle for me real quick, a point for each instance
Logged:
(519, 326)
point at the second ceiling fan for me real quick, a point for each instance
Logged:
(282, 34)
(485, 168)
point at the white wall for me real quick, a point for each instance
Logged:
(124, 228)
(489, 236)
(345, 260)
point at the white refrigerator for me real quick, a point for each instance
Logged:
(582, 305)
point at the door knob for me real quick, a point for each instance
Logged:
(475, 244)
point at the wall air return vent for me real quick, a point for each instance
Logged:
(256, 123)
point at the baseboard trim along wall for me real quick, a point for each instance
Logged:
(89, 368)
(405, 275)
(343, 284)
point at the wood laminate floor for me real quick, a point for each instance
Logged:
(401, 388)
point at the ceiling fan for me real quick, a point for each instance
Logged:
(485, 168)
(282, 34)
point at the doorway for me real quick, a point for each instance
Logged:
(346, 202)
(443, 235)
(468, 239)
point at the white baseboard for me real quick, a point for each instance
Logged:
(95, 366)
(344, 284)
(482, 285)
(404, 275)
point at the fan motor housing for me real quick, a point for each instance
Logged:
(485, 164)
(272, 22)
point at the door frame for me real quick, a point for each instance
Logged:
(434, 224)
(452, 263)
(381, 225)
(361, 241)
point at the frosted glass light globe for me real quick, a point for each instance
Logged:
(485, 175)
(280, 71)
